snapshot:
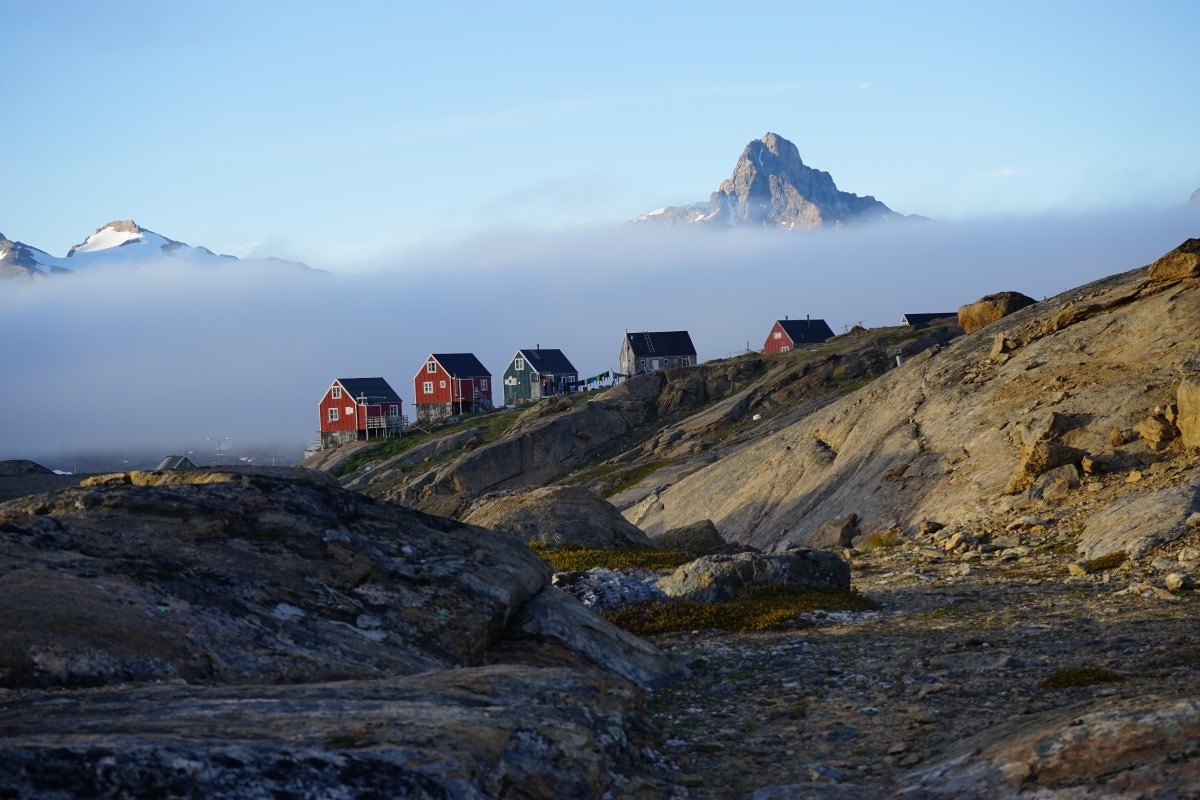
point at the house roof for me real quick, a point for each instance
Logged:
(806, 331)
(376, 390)
(545, 359)
(461, 365)
(925, 319)
(176, 462)
(661, 343)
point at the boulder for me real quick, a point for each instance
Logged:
(1140, 521)
(990, 308)
(1057, 484)
(715, 579)
(1188, 415)
(558, 516)
(1039, 458)
(1155, 431)
(1182, 262)
(609, 589)
(836, 534)
(698, 539)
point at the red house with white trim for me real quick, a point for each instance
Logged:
(359, 408)
(787, 334)
(449, 384)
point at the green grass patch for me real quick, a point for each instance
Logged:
(494, 425)
(757, 610)
(1068, 677)
(577, 559)
(636, 475)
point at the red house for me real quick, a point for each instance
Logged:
(449, 384)
(359, 408)
(788, 334)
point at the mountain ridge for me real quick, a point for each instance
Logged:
(116, 242)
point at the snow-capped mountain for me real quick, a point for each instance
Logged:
(771, 187)
(121, 242)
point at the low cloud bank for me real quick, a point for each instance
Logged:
(165, 356)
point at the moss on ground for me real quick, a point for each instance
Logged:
(577, 559)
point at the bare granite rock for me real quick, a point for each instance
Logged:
(1140, 521)
(990, 308)
(715, 579)
(557, 516)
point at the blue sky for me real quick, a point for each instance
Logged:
(364, 133)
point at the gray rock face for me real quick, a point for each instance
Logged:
(558, 516)
(698, 539)
(1124, 749)
(935, 438)
(609, 589)
(1140, 521)
(771, 187)
(715, 579)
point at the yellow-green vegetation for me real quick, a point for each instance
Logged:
(881, 540)
(1106, 562)
(636, 475)
(574, 559)
(1068, 677)
(756, 610)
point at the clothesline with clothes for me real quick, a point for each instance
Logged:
(586, 382)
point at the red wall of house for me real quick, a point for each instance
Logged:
(456, 389)
(346, 420)
(774, 345)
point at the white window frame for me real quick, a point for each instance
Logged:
(428, 387)
(431, 366)
(483, 387)
(441, 384)
(777, 335)
(393, 410)
(519, 364)
(333, 415)
(337, 393)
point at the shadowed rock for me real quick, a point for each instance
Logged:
(558, 516)
(715, 579)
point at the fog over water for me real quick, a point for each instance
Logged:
(161, 358)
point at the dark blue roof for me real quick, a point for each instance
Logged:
(549, 360)
(661, 343)
(376, 390)
(461, 365)
(925, 319)
(806, 331)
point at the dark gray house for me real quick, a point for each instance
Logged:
(650, 351)
(537, 372)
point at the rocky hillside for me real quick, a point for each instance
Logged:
(771, 187)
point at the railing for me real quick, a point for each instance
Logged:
(388, 423)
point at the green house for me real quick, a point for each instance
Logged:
(535, 373)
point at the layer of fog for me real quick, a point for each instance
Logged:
(165, 357)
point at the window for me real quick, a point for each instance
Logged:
(428, 387)
(777, 335)
(337, 393)
(333, 415)
(784, 349)
(687, 361)
(349, 410)
(483, 384)
(431, 366)
(518, 364)
(441, 384)
(393, 410)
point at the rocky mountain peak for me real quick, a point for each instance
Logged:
(772, 187)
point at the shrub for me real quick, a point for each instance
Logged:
(755, 610)
(1067, 677)
(572, 559)
(1106, 561)
(880, 540)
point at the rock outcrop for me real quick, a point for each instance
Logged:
(1182, 262)
(558, 516)
(990, 308)
(246, 634)
(946, 434)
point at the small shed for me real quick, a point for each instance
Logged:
(359, 408)
(918, 320)
(650, 351)
(788, 334)
(537, 372)
(449, 384)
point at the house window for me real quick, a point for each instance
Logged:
(784, 349)
(333, 415)
(777, 335)
(337, 393)
(687, 361)
(428, 387)
(641, 362)
(431, 366)
(483, 384)
(393, 410)
(441, 384)
(518, 364)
